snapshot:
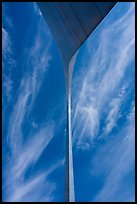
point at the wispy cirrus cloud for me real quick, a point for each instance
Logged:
(114, 111)
(102, 123)
(8, 62)
(37, 188)
(102, 75)
(118, 165)
(24, 154)
(23, 189)
(36, 68)
(33, 148)
(8, 57)
(26, 191)
(6, 43)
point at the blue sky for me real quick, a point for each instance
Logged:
(34, 109)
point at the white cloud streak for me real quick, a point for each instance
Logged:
(6, 43)
(26, 153)
(38, 188)
(114, 112)
(7, 60)
(102, 75)
(33, 149)
(29, 88)
(117, 164)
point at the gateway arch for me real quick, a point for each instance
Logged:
(71, 23)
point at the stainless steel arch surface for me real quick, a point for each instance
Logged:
(72, 22)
